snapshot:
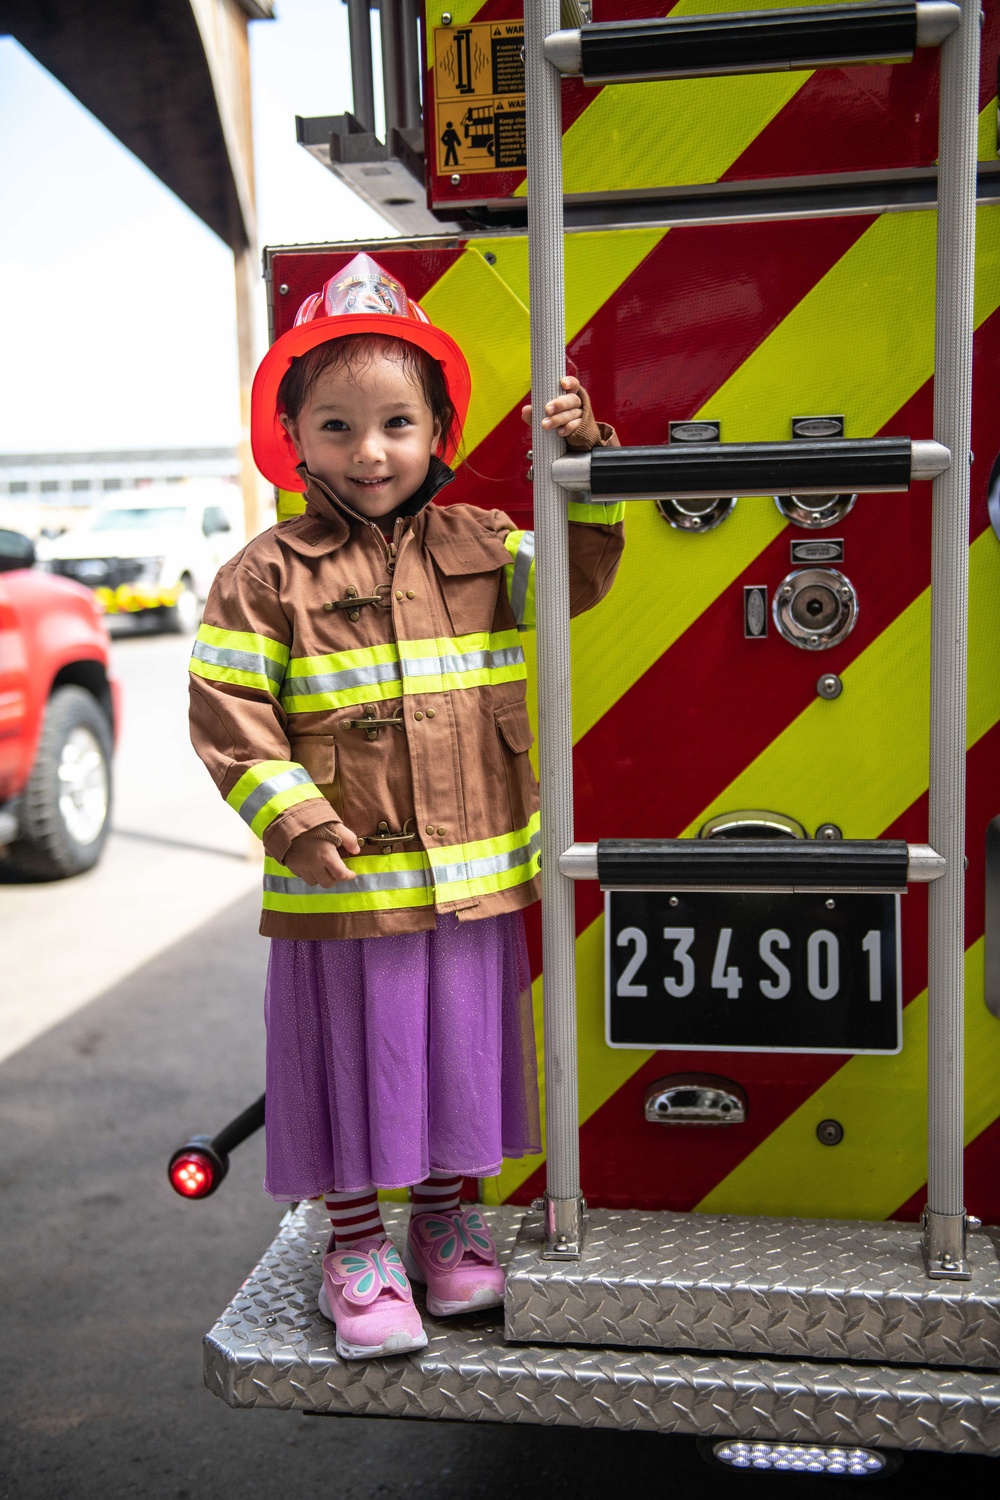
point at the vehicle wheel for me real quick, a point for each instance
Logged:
(184, 617)
(66, 808)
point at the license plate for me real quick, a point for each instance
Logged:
(752, 972)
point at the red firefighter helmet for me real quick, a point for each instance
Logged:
(362, 298)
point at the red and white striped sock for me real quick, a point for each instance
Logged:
(355, 1216)
(438, 1193)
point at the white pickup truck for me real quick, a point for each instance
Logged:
(152, 552)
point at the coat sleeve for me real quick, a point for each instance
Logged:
(238, 726)
(596, 544)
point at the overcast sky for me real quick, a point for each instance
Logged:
(116, 303)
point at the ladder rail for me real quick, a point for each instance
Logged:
(543, 92)
(945, 1217)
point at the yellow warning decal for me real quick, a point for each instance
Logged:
(479, 97)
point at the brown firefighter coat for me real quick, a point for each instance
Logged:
(341, 677)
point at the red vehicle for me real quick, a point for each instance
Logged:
(58, 714)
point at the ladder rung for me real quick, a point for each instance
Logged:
(751, 41)
(692, 470)
(884, 865)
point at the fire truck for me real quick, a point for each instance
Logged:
(768, 242)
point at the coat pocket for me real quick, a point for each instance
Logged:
(514, 726)
(469, 576)
(318, 753)
(514, 740)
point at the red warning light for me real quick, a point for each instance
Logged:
(192, 1175)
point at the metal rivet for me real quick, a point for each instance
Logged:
(814, 640)
(455, 179)
(830, 1132)
(431, 712)
(399, 593)
(673, 901)
(489, 257)
(270, 1320)
(410, 594)
(442, 829)
(829, 832)
(418, 714)
(446, 18)
(283, 289)
(829, 685)
(830, 902)
(328, 607)
(429, 828)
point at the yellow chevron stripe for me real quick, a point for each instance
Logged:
(986, 149)
(490, 325)
(878, 297)
(829, 766)
(882, 1104)
(643, 135)
(597, 263)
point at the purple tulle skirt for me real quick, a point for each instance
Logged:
(390, 1057)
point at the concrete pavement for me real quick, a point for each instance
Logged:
(177, 855)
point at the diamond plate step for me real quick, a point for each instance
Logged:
(805, 1288)
(271, 1348)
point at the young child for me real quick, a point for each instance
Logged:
(358, 695)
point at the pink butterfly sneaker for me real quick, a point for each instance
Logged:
(454, 1254)
(366, 1293)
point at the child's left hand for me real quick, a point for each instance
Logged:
(569, 415)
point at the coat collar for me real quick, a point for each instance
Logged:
(329, 520)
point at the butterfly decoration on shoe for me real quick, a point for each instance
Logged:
(447, 1237)
(364, 1274)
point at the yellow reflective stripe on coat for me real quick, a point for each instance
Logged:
(372, 674)
(393, 882)
(365, 675)
(446, 663)
(239, 657)
(485, 866)
(519, 575)
(384, 882)
(270, 788)
(596, 512)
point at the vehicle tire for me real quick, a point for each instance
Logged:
(184, 617)
(65, 812)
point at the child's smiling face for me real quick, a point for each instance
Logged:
(368, 433)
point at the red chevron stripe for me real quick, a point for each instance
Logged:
(982, 1181)
(688, 316)
(826, 127)
(628, 1163)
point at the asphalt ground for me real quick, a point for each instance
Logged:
(109, 1281)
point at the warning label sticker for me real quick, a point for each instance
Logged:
(479, 97)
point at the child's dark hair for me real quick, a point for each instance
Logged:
(356, 352)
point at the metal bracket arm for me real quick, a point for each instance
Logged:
(752, 864)
(751, 41)
(697, 470)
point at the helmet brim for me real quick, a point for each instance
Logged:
(273, 452)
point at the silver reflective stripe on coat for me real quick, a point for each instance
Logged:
(522, 575)
(490, 864)
(337, 682)
(261, 795)
(238, 661)
(468, 661)
(390, 880)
